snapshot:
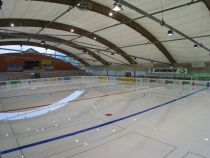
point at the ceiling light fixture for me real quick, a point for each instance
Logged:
(72, 30)
(42, 42)
(12, 24)
(195, 46)
(94, 38)
(110, 13)
(117, 7)
(83, 4)
(162, 23)
(170, 33)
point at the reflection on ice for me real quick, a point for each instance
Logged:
(40, 111)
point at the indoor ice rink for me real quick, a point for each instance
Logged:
(104, 78)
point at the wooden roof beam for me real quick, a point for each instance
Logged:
(65, 27)
(104, 10)
(207, 3)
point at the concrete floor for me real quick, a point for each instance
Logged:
(177, 127)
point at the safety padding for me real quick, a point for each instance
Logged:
(126, 78)
(168, 82)
(103, 78)
(152, 81)
(186, 82)
(15, 82)
(52, 79)
(66, 78)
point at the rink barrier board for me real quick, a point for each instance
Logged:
(103, 78)
(169, 82)
(44, 81)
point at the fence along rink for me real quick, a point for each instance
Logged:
(14, 84)
(27, 83)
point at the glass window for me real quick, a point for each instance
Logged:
(49, 52)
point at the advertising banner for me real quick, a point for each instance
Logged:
(14, 67)
(103, 78)
(46, 62)
(167, 70)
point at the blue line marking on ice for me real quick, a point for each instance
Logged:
(95, 127)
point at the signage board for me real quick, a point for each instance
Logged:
(168, 70)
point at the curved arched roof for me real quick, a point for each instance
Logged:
(126, 34)
(53, 39)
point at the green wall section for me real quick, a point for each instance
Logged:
(201, 76)
(193, 76)
(15, 82)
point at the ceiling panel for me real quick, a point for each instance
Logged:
(112, 58)
(183, 51)
(21, 29)
(146, 51)
(31, 9)
(87, 20)
(122, 35)
(86, 56)
(90, 42)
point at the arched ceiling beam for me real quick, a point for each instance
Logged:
(64, 27)
(56, 40)
(207, 3)
(101, 9)
(4, 43)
